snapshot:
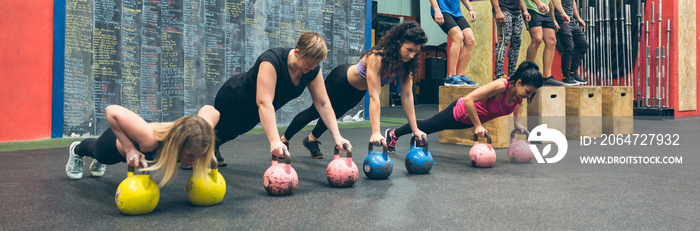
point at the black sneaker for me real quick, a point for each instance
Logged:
(578, 79)
(552, 82)
(313, 147)
(390, 141)
(219, 159)
(569, 81)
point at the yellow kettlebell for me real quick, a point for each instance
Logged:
(208, 189)
(137, 194)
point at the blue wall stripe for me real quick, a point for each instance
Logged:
(59, 31)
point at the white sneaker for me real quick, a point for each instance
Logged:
(183, 167)
(97, 169)
(74, 167)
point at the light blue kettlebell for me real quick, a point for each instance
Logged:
(418, 159)
(377, 165)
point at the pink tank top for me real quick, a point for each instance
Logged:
(488, 109)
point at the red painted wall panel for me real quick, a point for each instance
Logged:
(26, 33)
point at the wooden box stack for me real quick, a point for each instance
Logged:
(584, 112)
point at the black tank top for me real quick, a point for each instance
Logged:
(242, 88)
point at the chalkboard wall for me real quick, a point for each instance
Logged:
(164, 59)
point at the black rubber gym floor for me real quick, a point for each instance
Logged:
(36, 194)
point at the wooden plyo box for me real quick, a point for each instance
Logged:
(584, 112)
(618, 110)
(498, 128)
(548, 106)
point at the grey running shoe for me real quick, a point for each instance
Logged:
(578, 79)
(97, 169)
(74, 167)
(569, 81)
(183, 167)
(552, 82)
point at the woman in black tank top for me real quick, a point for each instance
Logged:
(278, 76)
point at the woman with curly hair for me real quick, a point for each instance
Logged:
(131, 139)
(395, 56)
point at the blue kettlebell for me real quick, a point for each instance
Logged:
(418, 159)
(377, 165)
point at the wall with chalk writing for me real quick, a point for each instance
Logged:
(164, 59)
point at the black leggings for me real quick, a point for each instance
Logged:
(235, 118)
(441, 121)
(104, 149)
(343, 97)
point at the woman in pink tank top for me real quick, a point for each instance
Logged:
(497, 98)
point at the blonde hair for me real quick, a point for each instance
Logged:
(186, 132)
(312, 46)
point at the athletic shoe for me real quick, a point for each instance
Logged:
(219, 159)
(552, 82)
(578, 79)
(74, 167)
(184, 167)
(467, 80)
(313, 147)
(569, 81)
(97, 169)
(390, 141)
(454, 81)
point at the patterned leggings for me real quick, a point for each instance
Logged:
(508, 33)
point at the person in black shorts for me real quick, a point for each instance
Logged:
(448, 15)
(278, 76)
(571, 42)
(541, 27)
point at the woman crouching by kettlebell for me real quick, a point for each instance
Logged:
(130, 139)
(497, 98)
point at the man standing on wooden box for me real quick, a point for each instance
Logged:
(509, 23)
(448, 15)
(541, 28)
(571, 42)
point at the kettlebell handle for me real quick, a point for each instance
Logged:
(512, 134)
(488, 137)
(345, 146)
(131, 169)
(424, 139)
(371, 147)
(287, 158)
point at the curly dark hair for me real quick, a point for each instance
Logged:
(389, 47)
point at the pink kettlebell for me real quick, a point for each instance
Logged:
(342, 171)
(519, 150)
(482, 155)
(280, 179)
